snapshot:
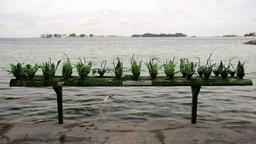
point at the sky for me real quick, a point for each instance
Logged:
(30, 18)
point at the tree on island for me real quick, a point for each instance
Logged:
(42, 35)
(82, 35)
(57, 35)
(72, 35)
(159, 35)
(250, 34)
(46, 35)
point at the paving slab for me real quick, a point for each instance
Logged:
(127, 133)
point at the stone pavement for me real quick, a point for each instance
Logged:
(127, 133)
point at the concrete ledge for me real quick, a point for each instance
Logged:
(127, 81)
(126, 133)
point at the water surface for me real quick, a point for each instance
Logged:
(129, 104)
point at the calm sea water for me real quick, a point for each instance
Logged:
(132, 104)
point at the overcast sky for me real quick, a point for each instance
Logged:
(30, 18)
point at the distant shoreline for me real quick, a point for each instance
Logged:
(73, 35)
(238, 36)
(159, 35)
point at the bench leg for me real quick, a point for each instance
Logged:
(58, 91)
(195, 92)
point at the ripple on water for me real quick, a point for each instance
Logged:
(12, 98)
(133, 104)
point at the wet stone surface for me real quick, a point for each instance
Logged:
(127, 133)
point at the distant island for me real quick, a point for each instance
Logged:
(250, 34)
(159, 35)
(74, 35)
(229, 36)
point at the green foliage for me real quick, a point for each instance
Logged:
(83, 68)
(240, 70)
(182, 66)
(169, 68)
(231, 68)
(216, 71)
(232, 73)
(118, 69)
(135, 68)
(200, 70)
(17, 70)
(207, 69)
(102, 70)
(49, 69)
(152, 68)
(67, 69)
(30, 70)
(189, 69)
(223, 70)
